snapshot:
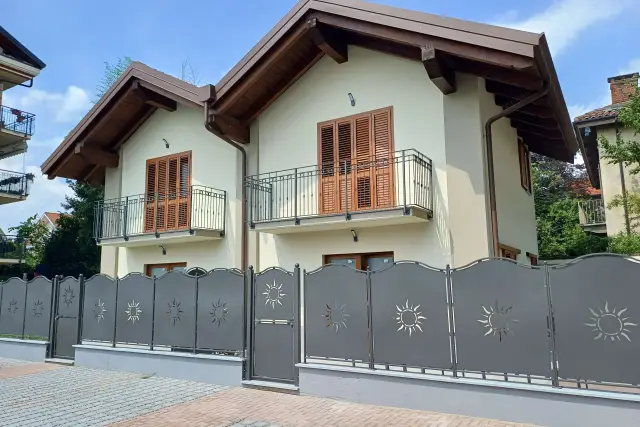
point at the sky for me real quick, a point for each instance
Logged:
(590, 40)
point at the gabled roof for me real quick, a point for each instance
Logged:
(51, 217)
(12, 47)
(606, 112)
(93, 143)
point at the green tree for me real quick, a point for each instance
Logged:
(34, 235)
(111, 74)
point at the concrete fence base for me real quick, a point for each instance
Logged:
(12, 348)
(512, 402)
(221, 370)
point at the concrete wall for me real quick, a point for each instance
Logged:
(12, 348)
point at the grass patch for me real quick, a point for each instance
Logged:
(26, 337)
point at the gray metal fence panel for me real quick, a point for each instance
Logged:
(99, 317)
(336, 319)
(596, 303)
(410, 316)
(38, 314)
(221, 310)
(12, 311)
(501, 313)
(274, 294)
(274, 355)
(175, 305)
(67, 323)
(134, 318)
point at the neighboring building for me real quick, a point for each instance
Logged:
(364, 132)
(50, 220)
(612, 179)
(18, 66)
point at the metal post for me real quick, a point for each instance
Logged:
(346, 193)
(224, 212)
(295, 196)
(115, 317)
(452, 328)
(404, 183)
(190, 219)
(555, 382)
(304, 305)
(155, 216)
(24, 308)
(195, 326)
(248, 320)
(296, 322)
(153, 314)
(80, 308)
(124, 221)
(52, 312)
(370, 321)
(54, 316)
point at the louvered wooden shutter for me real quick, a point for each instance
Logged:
(150, 195)
(328, 175)
(344, 149)
(184, 208)
(364, 162)
(383, 153)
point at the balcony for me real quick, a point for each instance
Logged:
(592, 216)
(193, 214)
(12, 250)
(14, 186)
(16, 127)
(360, 192)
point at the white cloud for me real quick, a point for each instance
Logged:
(632, 67)
(565, 20)
(64, 107)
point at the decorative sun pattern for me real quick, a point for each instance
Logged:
(409, 318)
(13, 306)
(610, 324)
(133, 311)
(219, 312)
(174, 311)
(336, 316)
(38, 308)
(273, 294)
(99, 310)
(68, 296)
(497, 320)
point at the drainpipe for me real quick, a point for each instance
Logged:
(209, 125)
(623, 187)
(490, 169)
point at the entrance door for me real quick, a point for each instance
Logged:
(67, 318)
(275, 335)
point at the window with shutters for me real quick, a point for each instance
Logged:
(509, 252)
(355, 156)
(525, 165)
(167, 201)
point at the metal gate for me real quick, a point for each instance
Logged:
(275, 334)
(66, 330)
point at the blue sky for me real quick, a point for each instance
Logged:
(590, 40)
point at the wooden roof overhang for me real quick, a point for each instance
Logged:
(513, 63)
(93, 144)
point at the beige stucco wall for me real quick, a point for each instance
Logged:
(611, 183)
(214, 164)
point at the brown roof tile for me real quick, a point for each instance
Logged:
(600, 113)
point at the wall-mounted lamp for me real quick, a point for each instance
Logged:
(164, 251)
(166, 143)
(587, 131)
(352, 99)
(355, 236)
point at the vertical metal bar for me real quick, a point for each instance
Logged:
(52, 314)
(304, 309)
(370, 321)
(295, 195)
(195, 326)
(296, 322)
(82, 281)
(452, 328)
(248, 319)
(404, 183)
(346, 192)
(555, 382)
(189, 214)
(115, 317)
(153, 314)
(126, 216)
(224, 212)
(24, 308)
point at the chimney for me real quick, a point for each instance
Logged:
(623, 87)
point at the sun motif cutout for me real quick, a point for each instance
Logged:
(409, 318)
(273, 294)
(336, 316)
(13, 306)
(610, 324)
(38, 308)
(219, 312)
(133, 311)
(68, 296)
(99, 310)
(174, 311)
(497, 320)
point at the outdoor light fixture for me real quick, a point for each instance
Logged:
(164, 251)
(166, 143)
(353, 102)
(587, 131)
(355, 236)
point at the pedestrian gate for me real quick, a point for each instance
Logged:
(67, 317)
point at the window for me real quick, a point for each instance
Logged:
(533, 258)
(157, 270)
(371, 261)
(525, 166)
(355, 157)
(167, 201)
(509, 252)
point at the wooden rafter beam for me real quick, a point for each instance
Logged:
(231, 128)
(534, 121)
(152, 98)
(512, 92)
(326, 40)
(524, 80)
(96, 156)
(537, 135)
(546, 133)
(439, 72)
(532, 110)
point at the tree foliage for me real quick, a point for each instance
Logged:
(111, 74)
(35, 236)
(623, 150)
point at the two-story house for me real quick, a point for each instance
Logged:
(18, 66)
(351, 133)
(613, 179)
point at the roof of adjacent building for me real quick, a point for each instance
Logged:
(52, 217)
(609, 111)
(12, 47)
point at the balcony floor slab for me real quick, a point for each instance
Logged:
(6, 198)
(170, 237)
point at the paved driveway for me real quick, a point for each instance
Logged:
(38, 394)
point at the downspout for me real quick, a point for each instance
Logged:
(623, 187)
(208, 124)
(490, 169)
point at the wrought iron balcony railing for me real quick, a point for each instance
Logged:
(15, 183)
(194, 208)
(11, 247)
(398, 180)
(16, 120)
(592, 212)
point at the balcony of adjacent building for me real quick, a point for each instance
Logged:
(193, 214)
(14, 186)
(592, 214)
(352, 192)
(16, 127)
(12, 250)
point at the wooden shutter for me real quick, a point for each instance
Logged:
(150, 195)
(525, 165)
(383, 153)
(344, 145)
(184, 199)
(364, 162)
(328, 174)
